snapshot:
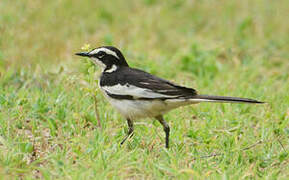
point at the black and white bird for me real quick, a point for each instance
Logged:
(137, 94)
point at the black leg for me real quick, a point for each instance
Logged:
(130, 130)
(166, 128)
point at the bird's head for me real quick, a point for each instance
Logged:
(108, 57)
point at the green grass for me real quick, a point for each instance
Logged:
(48, 127)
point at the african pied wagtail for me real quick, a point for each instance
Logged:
(137, 94)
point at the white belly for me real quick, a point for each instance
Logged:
(137, 109)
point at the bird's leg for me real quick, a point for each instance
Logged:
(166, 128)
(130, 130)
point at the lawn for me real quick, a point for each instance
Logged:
(49, 97)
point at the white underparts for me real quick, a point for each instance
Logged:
(137, 109)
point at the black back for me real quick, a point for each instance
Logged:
(130, 76)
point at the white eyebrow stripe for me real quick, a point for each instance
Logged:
(107, 51)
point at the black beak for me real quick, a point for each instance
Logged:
(84, 54)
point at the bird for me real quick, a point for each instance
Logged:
(136, 94)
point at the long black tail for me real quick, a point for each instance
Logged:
(223, 99)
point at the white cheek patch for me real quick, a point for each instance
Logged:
(98, 62)
(107, 51)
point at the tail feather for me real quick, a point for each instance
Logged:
(224, 99)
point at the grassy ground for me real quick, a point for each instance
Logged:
(48, 127)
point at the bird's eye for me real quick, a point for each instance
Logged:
(100, 54)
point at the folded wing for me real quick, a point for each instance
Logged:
(137, 84)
